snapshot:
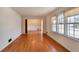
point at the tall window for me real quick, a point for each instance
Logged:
(73, 26)
(60, 23)
(53, 20)
(67, 25)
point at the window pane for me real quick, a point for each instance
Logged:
(61, 18)
(61, 28)
(77, 19)
(76, 26)
(70, 29)
(60, 23)
(71, 26)
(70, 19)
(54, 27)
(53, 21)
(77, 30)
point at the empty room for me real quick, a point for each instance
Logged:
(39, 29)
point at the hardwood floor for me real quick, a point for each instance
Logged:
(34, 42)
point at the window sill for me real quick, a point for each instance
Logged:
(69, 37)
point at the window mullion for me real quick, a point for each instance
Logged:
(65, 25)
(57, 24)
(74, 27)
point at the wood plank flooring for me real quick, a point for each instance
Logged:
(34, 42)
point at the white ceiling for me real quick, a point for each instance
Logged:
(33, 11)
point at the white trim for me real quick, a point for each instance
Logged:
(9, 43)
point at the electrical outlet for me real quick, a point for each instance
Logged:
(10, 40)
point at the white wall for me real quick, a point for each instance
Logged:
(70, 44)
(10, 26)
(44, 25)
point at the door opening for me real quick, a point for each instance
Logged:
(34, 25)
(25, 25)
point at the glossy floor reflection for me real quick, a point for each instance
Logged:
(34, 42)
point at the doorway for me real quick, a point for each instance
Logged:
(33, 25)
(26, 26)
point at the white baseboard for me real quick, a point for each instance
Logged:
(8, 43)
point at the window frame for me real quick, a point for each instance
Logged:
(65, 29)
(73, 28)
(52, 24)
(59, 22)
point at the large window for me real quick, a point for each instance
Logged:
(70, 26)
(73, 26)
(67, 25)
(53, 20)
(60, 23)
